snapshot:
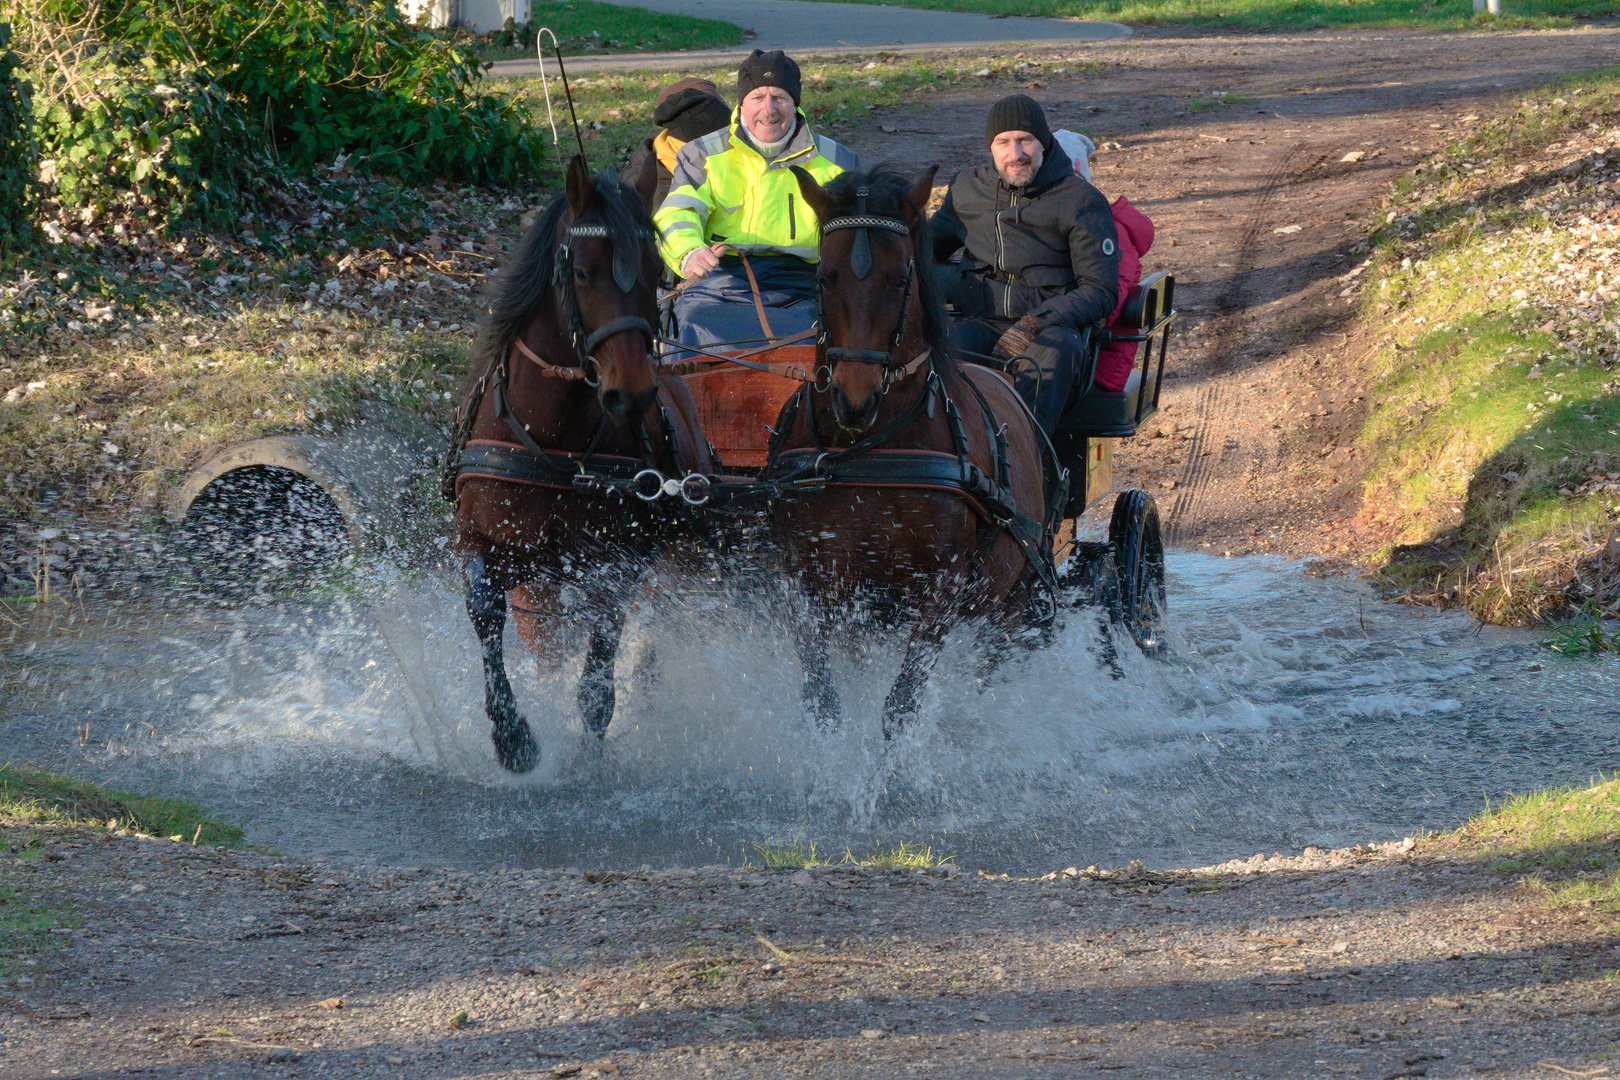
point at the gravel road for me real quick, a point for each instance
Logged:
(187, 962)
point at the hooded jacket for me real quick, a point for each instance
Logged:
(1115, 361)
(723, 189)
(686, 110)
(1049, 249)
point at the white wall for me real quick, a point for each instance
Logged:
(480, 15)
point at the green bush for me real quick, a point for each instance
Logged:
(193, 103)
(16, 151)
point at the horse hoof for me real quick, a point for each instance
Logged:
(515, 747)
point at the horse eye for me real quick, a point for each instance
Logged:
(580, 275)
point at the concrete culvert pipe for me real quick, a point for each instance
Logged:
(294, 504)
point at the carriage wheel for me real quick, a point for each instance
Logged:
(1139, 558)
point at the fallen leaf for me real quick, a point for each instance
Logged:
(1288, 230)
(1354, 155)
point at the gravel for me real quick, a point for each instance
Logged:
(1360, 962)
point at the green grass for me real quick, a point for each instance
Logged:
(797, 853)
(1565, 842)
(1286, 14)
(1583, 635)
(584, 27)
(1495, 425)
(30, 797)
(25, 929)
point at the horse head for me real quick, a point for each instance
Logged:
(605, 272)
(878, 308)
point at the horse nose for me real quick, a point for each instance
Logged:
(621, 404)
(850, 417)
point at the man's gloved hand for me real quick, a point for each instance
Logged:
(1018, 338)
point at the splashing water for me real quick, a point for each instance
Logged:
(1292, 711)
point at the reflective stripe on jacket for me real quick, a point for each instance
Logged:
(723, 190)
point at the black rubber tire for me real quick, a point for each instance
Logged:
(1139, 559)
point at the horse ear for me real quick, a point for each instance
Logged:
(814, 197)
(580, 187)
(645, 181)
(920, 193)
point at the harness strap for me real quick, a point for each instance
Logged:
(547, 368)
(547, 468)
(759, 304)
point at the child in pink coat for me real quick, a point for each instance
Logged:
(1114, 362)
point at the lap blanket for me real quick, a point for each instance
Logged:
(718, 309)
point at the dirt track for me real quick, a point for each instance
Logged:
(187, 963)
(1266, 393)
(191, 963)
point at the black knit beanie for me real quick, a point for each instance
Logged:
(691, 112)
(1017, 113)
(774, 68)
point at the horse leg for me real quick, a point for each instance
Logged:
(595, 695)
(515, 747)
(819, 694)
(905, 696)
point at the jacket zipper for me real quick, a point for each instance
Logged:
(793, 225)
(1001, 256)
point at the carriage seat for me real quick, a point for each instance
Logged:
(1099, 413)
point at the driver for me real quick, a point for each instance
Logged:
(1039, 256)
(734, 208)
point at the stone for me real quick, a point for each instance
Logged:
(281, 1055)
(873, 1033)
(803, 880)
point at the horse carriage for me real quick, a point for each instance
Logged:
(884, 470)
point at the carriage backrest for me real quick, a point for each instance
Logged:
(1148, 302)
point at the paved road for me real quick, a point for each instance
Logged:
(806, 28)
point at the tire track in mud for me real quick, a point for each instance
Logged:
(1216, 399)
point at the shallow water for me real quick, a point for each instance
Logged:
(1294, 711)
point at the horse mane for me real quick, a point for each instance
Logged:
(887, 189)
(520, 290)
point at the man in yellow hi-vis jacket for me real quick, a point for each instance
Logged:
(733, 195)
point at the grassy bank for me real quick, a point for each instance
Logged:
(128, 354)
(1564, 841)
(1288, 14)
(34, 808)
(30, 798)
(1494, 440)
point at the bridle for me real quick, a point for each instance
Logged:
(586, 343)
(860, 261)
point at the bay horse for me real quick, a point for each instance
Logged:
(912, 483)
(567, 439)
